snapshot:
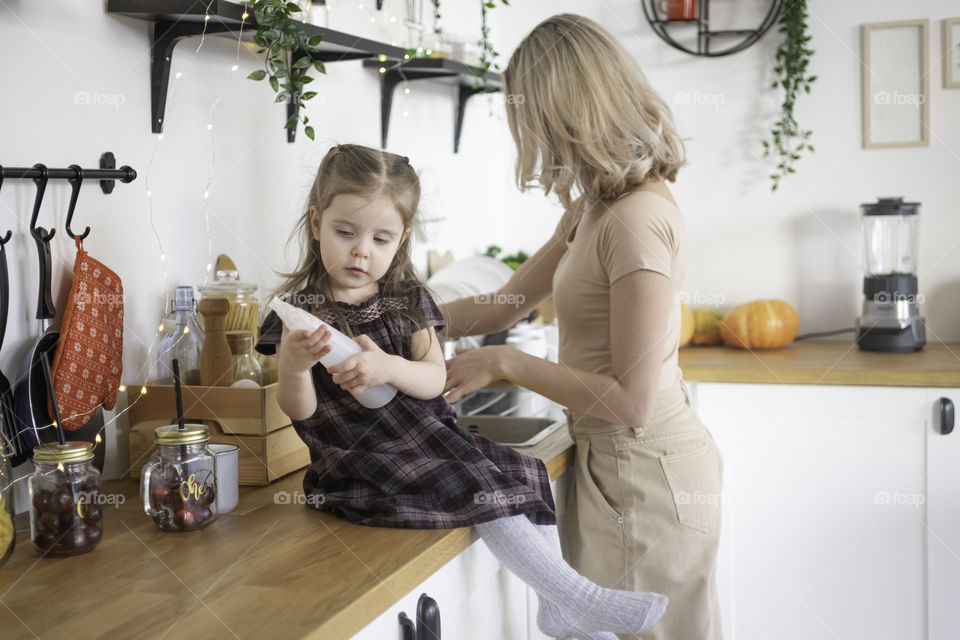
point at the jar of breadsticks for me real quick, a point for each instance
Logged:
(244, 311)
(7, 530)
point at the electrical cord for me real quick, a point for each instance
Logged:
(821, 334)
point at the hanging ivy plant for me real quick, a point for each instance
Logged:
(281, 37)
(788, 139)
(437, 29)
(488, 55)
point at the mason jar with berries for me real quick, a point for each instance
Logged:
(178, 485)
(65, 514)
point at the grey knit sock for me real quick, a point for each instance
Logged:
(552, 620)
(516, 543)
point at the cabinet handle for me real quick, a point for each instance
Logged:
(428, 618)
(946, 415)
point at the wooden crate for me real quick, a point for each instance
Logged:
(236, 410)
(261, 460)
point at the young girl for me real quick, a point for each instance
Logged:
(408, 464)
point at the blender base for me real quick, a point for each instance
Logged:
(909, 339)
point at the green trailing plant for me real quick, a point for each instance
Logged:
(488, 55)
(288, 58)
(789, 140)
(437, 28)
(513, 261)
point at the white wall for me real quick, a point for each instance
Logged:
(799, 244)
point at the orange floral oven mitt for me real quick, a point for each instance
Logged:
(89, 356)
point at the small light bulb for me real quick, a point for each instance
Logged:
(206, 194)
(406, 56)
(383, 69)
(382, 57)
(210, 127)
(143, 391)
(234, 67)
(209, 267)
(405, 114)
(206, 17)
(98, 439)
(159, 137)
(360, 6)
(161, 327)
(163, 257)
(186, 330)
(59, 466)
(179, 75)
(372, 20)
(122, 388)
(149, 193)
(393, 18)
(407, 91)
(429, 52)
(54, 424)
(245, 16)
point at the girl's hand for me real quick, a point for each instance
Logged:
(300, 350)
(474, 369)
(364, 370)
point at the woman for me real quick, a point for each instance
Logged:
(643, 509)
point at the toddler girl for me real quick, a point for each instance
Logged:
(408, 464)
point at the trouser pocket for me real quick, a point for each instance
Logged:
(693, 476)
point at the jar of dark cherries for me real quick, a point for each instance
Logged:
(178, 485)
(65, 515)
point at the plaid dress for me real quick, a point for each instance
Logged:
(407, 464)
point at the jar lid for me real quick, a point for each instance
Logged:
(890, 207)
(171, 434)
(227, 281)
(240, 342)
(71, 451)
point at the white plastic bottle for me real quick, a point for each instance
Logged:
(341, 348)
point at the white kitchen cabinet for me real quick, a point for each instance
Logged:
(827, 494)
(943, 521)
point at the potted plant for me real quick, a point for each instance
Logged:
(789, 140)
(288, 57)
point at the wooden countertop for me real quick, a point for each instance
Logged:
(264, 570)
(825, 362)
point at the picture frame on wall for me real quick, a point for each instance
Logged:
(896, 84)
(951, 53)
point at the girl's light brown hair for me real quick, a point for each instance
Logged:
(367, 173)
(583, 116)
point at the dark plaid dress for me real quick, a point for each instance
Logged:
(407, 464)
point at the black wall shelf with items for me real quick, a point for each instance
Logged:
(444, 70)
(174, 20)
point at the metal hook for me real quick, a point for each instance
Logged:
(41, 181)
(6, 238)
(75, 184)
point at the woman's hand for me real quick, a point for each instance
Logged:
(300, 350)
(364, 370)
(474, 369)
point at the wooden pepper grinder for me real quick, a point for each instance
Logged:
(216, 361)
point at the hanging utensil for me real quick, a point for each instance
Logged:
(30, 395)
(7, 420)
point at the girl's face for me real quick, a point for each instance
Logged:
(358, 239)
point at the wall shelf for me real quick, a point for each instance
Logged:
(174, 20)
(465, 78)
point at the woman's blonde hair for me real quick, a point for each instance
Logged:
(368, 173)
(583, 115)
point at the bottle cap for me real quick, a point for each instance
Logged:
(183, 299)
(240, 342)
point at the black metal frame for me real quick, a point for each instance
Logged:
(704, 34)
(439, 69)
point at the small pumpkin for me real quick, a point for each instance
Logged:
(687, 324)
(707, 326)
(761, 324)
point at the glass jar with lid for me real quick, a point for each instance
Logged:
(65, 515)
(244, 312)
(178, 486)
(7, 511)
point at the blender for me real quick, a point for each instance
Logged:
(891, 319)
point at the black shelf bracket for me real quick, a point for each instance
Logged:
(437, 69)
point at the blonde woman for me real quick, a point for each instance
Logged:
(643, 511)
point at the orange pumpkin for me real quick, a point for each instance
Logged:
(687, 324)
(707, 323)
(762, 324)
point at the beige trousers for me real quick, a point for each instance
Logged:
(643, 512)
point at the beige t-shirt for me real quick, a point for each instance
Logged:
(650, 234)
